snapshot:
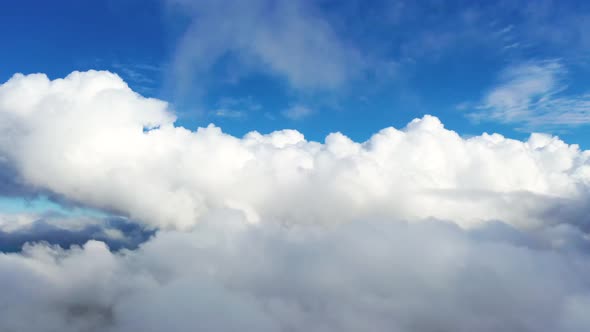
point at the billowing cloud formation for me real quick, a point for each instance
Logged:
(228, 275)
(414, 230)
(91, 139)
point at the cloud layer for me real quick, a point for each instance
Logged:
(92, 140)
(228, 275)
(416, 229)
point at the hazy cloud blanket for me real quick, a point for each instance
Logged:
(416, 229)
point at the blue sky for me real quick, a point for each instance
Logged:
(352, 66)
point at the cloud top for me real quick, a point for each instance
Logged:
(91, 139)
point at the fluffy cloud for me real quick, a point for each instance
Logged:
(91, 139)
(228, 275)
(413, 230)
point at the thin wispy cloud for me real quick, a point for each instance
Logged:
(143, 76)
(297, 112)
(292, 41)
(235, 108)
(536, 95)
(228, 113)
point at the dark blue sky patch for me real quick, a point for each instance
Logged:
(42, 230)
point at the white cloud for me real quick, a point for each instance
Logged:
(369, 276)
(413, 230)
(84, 138)
(534, 94)
(297, 112)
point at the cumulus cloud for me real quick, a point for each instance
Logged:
(534, 94)
(416, 229)
(91, 139)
